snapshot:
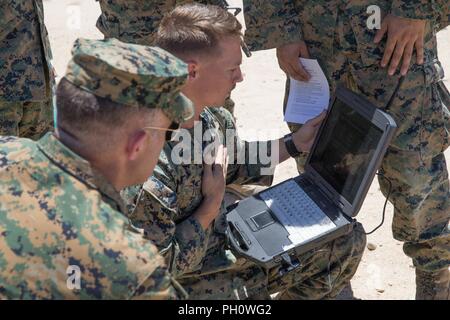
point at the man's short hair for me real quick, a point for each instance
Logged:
(196, 28)
(81, 112)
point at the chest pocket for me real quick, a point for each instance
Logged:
(358, 20)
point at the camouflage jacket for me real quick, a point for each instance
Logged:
(445, 13)
(56, 212)
(163, 207)
(273, 23)
(136, 21)
(26, 73)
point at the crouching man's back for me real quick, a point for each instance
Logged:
(59, 216)
(63, 232)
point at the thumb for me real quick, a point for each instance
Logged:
(304, 52)
(317, 120)
(298, 72)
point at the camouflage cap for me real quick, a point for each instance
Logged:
(132, 75)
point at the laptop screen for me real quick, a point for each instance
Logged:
(345, 149)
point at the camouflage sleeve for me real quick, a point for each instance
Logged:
(183, 244)
(249, 162)
(139, 265)
(443, 7)
(415, 9)
(271, 24)
(154, 282)
(3, 21)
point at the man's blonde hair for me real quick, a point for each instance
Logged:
(196, 29)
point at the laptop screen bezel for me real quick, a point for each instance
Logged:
(381, 120)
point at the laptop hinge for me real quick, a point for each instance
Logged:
(327, 194)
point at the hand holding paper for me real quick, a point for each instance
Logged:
(308, 99)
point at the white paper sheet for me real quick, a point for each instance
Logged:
(308, 99)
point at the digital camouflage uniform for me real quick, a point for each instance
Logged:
(201, 259)
(57, 211)
(337, 35)
(443, 7)
(138, 21)
(26, 74)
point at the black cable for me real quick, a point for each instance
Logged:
(385, 204)
(397, 88)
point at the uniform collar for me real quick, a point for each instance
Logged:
(80, 169)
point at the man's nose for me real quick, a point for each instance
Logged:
(240, 77)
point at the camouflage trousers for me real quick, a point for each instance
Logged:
(415, 163)
(26, 119)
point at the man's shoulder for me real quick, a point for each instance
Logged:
(82, 230)
(24, 167)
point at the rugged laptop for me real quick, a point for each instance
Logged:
(300, 214)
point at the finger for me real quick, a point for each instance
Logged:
(419, 49)
(283, 67)
(209, 156)
(225, 161)
(297, 72)
(219, 155)
(407, 55)
(219, 161)
(390, 46)
(207, 170)
(304, 52)
(317, 120)
(316, 131)
(380, 33)
(298, 67)
(396, 57)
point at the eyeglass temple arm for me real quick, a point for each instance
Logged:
(238, 10)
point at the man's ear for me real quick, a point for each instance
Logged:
(135, 144)
(192, 69)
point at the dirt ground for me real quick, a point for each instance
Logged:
(384, 273)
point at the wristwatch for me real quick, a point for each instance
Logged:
(290, 146)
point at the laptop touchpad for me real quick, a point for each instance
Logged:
(262, 220)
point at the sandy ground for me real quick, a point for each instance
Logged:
(384, 273)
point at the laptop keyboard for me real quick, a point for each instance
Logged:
(300, 215)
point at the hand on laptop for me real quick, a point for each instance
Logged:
(305, 136)
(213, 187)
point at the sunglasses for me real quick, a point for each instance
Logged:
(237, 10)
(174, 127)
(246, 50)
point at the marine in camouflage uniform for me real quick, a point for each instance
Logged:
(26, 74)
(137, 21)
(201, 259)
(336, 34)
(57, 211)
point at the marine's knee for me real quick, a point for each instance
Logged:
(430, 255)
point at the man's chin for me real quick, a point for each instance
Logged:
(190, 123)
